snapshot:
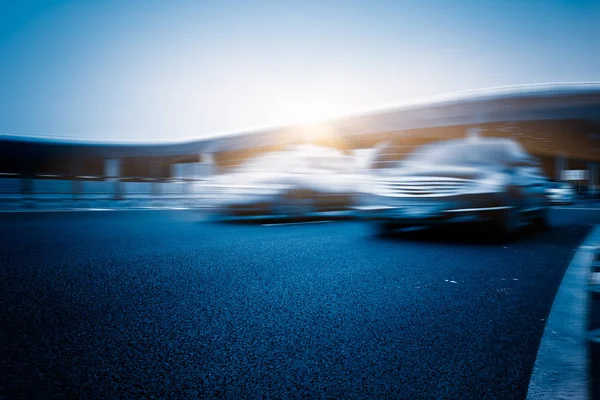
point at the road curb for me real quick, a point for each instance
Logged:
(594, 325)
(561, 367)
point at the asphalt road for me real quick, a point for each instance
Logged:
(161, 304)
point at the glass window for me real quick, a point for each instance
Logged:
(466, 153)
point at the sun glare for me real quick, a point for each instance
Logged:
(308, 108)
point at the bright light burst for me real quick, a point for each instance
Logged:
(303, 107)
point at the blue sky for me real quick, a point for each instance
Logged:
(158, 70)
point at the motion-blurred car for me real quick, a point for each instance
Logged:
(560, 193)
(472, 180)
(295, 182)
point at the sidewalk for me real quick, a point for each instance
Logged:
(562, 368)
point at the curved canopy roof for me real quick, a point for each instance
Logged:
(506, 104)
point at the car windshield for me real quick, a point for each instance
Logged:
(559, 185)
(329, 163)
(295, 161)
(272, 162)
(461, 154)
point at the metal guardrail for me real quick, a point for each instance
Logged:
(24, 193)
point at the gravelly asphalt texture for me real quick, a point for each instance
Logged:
(162, 305)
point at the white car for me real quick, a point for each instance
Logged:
(294, 182)
(560, 193)
(489, 180)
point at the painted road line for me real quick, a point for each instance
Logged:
(49, 210)
(60, 210)
(560, 369)
(577, 208)
(298, 223)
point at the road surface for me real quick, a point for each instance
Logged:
(163, 304)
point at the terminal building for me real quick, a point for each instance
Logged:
(559, 124)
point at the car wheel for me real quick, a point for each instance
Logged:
(384, 228)
(295, 205)
(507, 227)
(541, 220)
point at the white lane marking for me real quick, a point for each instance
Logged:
(49, 210)
(577, 208)
(478, 209)
(298, 223)
(563, 349)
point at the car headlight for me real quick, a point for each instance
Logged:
(491, 183)
(366, 185)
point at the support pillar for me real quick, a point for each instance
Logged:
(593, 178)
(561, 165)
(208, 161)
(112, 173)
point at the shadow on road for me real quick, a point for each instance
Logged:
(477, 235)
(258, 220)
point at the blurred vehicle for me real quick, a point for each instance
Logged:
(295, 182)
(560, 193)
(472, 180)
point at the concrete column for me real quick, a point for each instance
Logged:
(156, 185)
(208, 159)
(112, 168)
(112, 173)
(561, 165)
(593, 177)
(473, 133)
(76, 170)
(26, 190)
